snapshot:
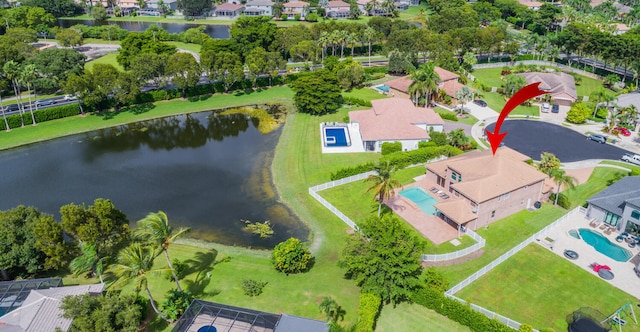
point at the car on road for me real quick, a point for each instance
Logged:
(69, 97)
(480, 103)
(11, 108)
(624, 131)
(597, 138)
(631, 158)
(45, 102)
(545, 108)
(555, 108)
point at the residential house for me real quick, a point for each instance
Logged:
(448, 82)
(200, 315)
(395, 120)
(561, 86)
(621, 28)
(41, 311)
(338, 9)
(531, 4)
(618, 205)
(374, 5)
(293, 8)
(228, 10)
(484, 187)
(169, 4)
(258, 8)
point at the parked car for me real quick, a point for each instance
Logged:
(637, 269)
(11, 108)
(597, 138)
(631, 158)
(69, 97)
(624, 131)
(555, 108)
(545, 108)
(480, 103)
(45, 102)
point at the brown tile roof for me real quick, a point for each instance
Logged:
(338, 3)
(296, 4)
(451, 87)
(228, 6)
(400, 83)
(497, 175)
(457, 209)
(559, 84)
(41, 309)
(530, 3)
(447, 79)
(394, 119)
(444, 74)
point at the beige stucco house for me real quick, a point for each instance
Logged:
(561, 86)
(448, 82)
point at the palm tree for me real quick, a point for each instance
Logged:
(427, 75)
(369, 35)
(88, 261)
(29, 75)
(324, 40)
(464, 95)
(383, 183)
(155, 230)
(560, 177)
(332, 309)
(12, 72)
(135, 264)
(351, 40)
(341, 38)
(334, 40)
(4, 115)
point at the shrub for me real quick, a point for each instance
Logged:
(388, 147)
(563, 201)
(179, 267)
(403, 159)
(353, 170)
(448, 116)
(368, 312)
(526, 328)
(435, 280)
(252, 287)
(46, 114)
(438, 138)
(177, 302)
(291, 256)
(296, 17)
(579, 113)
(311, 17)
(426, 144)
(284, 17)
(356, 101)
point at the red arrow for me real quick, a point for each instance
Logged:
(522, 95)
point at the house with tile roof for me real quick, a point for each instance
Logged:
(448, 82)
(483, 187)
(258, 8)
(41, 311)
(228, 10)
(561, 86)
(338, 9)
(531, 4)
(618, 205)
(293, 8)
(395, 120)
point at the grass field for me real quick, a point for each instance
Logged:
(597, 181)
(621, 164)
(412, 317)
(109, 59)
(538, 287)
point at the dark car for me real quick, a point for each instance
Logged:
(555, 108)
(480, 103)
(597, 138)
(45, 102)
(11, 108)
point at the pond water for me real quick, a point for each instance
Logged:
(214, 31)
(204, 170)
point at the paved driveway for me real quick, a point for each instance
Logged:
(481, 113)
(534, 137)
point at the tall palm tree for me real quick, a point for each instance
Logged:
(4, 115)
(341, 38)
(12, 72)
(155, 230)
(464, 95)
(323, 40)
(560, 178)
(135, 264)
(332, 309)
(352, 39)
(369, 35)
(427, 73)
(88, 261)
(383, 183)
(603, 96)
(29, 75)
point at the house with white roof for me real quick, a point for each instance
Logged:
(258, 8)
(395, 120)
(293, 8)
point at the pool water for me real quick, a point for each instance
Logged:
(335, 136)
(574, 233)
(383, 88)
(423, 200)
(604, 246)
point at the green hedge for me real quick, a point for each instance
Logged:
(563, 200)
(447, 116)
(46, 114)
(368, 312)
(388, 147)
(457, 311)
(403, 159)
(349, 171)
(356, 101)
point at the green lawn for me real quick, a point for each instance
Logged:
(412, 317)
(488, 76)
(621, 164)
(186, 46)
(597, 181)
(588, 86)
(469, 119)
(538, 287)
(502, 236)
(109, 59)
(366, 94)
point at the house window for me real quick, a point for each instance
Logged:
(440, 181)
(611, 219)
(522, 202)
(635, 214)
(454, 176)
(493, 213)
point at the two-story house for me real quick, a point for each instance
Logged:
(484, 188)
(258, 8)
(618, 205)
(338, 9)
(293, 8)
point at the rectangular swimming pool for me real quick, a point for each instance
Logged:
(336, 137)
(423, 200)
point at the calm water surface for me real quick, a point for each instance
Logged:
(205, 171)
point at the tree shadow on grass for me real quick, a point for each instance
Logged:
(202, 264)
(135, 109)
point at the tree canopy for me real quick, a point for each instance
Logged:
(318, 93)
(111, 312)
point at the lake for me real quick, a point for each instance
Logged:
(214, 31)
(206, 171)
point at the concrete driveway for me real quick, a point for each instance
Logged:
(532, 138)
(480, 113)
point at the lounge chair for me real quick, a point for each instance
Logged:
(445, 196)
(433, 189)
(441, 194)
(608, 230)
(604, 226)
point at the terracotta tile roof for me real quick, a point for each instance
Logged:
(447, 79)
(338, 3)
(595, 3)
(400, 83)
(296, 4)
(445, 75)
(530, 3)
(451, 87)
(394, 119)
(499, 174)
(456, 209)
(558, 84)
(228, 6)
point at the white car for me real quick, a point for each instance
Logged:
(545, 108)
(69, 97)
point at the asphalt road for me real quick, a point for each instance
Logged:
(532, 138)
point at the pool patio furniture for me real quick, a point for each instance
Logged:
(594, 223)
(433, 190)
(606, 274)
(604, 226)
(620, 238)
(445, 196)
(570, 254)
(597, 267)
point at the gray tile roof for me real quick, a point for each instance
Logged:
(613, 198)
(259, 3)
(294, 323)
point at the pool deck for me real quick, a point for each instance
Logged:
(354, 135)
(432, 227)
(625, 278)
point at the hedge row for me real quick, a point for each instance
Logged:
(391, 147)
(356, 101)
(422, 155)
(349, 171)
(457, 311)
(46, 114)
(448, 116)
(368, 312)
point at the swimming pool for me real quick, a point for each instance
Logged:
(383, 88)
(336, 136)
(604, 246)
(423, 200)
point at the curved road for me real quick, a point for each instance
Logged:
(532, 138)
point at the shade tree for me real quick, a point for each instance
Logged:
(184, 71)
(317, 94)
